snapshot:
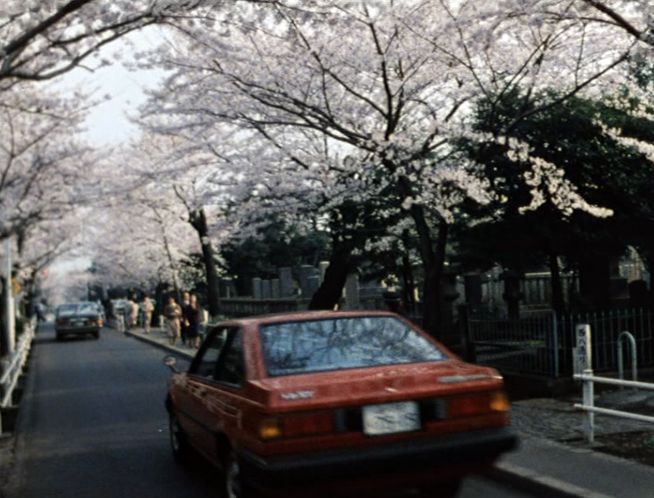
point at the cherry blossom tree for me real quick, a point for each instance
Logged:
(388, 85)
(43, 39)
(41, 161)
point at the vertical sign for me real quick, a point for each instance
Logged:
(582, 354)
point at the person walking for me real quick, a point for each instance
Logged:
(133, 313)
(186, 300)
(193, 316)
(147, 308)
(173, 315)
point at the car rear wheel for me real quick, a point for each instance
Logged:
(178, 442)
(448, 489)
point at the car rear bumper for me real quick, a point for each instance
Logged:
(78, 330)
(469, 450)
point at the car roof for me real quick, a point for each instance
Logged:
(300, 316)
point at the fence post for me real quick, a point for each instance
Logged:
(588, 401)
(555, 343)
(466, 336)
(634, 361)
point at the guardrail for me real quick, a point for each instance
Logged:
(13, 368)
(588, 402)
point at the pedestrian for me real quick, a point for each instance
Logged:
(186, 300)
(193, 316)
(117, 317)
(173, 315)
(40, 311)
(146, 310)
(126, 310)
(133, 313)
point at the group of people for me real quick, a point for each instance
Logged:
(133, 314)
(183, 320)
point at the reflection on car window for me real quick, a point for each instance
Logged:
(205, 365)
(230, 369)
(333, 344)
(87, 308)
(66, 309)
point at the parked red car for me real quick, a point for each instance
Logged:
(323, 397)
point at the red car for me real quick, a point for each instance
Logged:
(319, 398)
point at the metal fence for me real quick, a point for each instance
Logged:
(13, 367)
(541, 344)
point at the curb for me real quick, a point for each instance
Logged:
(543, 485)
(166, 347)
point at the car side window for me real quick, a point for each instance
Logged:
(231, 367)
(205, 362)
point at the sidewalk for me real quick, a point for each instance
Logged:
(158, 338)
(553, 459)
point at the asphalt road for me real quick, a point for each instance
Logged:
(93, 425)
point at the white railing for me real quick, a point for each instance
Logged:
(588, 403)
(13, 368)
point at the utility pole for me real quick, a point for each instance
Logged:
(8, 342)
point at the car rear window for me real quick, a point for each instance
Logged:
(336, 344)
(66, 309)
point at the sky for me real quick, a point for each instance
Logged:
(108, 122)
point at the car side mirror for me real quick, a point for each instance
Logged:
(170, 362)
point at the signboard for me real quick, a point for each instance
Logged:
(582, 354)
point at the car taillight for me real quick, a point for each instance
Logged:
(305, 424)
(270, 428)
(297, 424)
(477, 404)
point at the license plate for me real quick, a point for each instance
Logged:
(390, 418)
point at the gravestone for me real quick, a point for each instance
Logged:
(275, 292)
(352, 301)
(306, 271)
(256, 288)
(286, 282)
(265, 289)
(313, 283)
(322, 267)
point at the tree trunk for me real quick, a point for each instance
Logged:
(199, 221)
(432, 261)
(408, 285)
(595, 281)
(330, 291)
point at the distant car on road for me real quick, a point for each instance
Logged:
(81, 318)
(316, 398)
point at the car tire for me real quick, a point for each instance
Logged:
(178, 442)
(233, 483)
(448, 489)
(96, 335)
